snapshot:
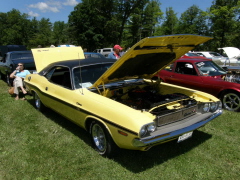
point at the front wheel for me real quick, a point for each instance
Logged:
(101, 140)
(38, 103)
(231, 101)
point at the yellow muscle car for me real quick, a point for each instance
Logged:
(116, 101)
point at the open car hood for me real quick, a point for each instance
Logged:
(149, 56)
(231, 52)
(46, 56)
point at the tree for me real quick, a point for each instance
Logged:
(14, 28)
(151, 17)
(193, 21)
(223, 18)
(97, 24)
(169, 26)
(43, 34)
(60, 33)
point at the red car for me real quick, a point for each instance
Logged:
(204, 75)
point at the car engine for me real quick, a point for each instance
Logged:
(233, 76)
(148, 99)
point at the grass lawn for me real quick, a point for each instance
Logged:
(47, 146)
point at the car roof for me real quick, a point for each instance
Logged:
(79, 62)
(193, 59)
(11, 52)
(91, 53)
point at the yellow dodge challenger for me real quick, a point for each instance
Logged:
(116, 101)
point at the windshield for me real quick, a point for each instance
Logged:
(86, 76)
(215, 54)
(19, 56)
(209, 68)
(191, 54)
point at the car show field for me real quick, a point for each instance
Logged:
(48, 146)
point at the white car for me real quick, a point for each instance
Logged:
(233, 54)
(211, 55)
(104, 51)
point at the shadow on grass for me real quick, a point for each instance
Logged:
(136, 161)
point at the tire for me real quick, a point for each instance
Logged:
(38, 103)
(102, 141)
(231, 101)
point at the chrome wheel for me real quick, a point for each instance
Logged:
(37, 101)
(101, 140)
(231, 101)
(99, 137)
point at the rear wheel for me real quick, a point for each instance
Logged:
(38, 103)
(101, 140)
(231, 101)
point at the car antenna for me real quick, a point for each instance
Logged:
(80, 74)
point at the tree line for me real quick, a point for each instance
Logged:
(102, 23)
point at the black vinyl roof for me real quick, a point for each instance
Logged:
(78, 62)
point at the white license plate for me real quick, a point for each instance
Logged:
(185, 136)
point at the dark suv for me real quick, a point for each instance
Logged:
(10, 61)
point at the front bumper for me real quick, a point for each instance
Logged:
(173, 131)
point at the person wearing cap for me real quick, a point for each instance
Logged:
(116, 54)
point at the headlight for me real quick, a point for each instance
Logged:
(151, 127)
(206, 107)
(146, 129)
(214, 106)
(219, 105)
(143, 131)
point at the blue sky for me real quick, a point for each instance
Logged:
(59, 10)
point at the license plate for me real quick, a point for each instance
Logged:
(184, 136)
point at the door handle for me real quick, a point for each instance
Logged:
(78, 103)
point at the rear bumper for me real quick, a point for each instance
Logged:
(170, 132)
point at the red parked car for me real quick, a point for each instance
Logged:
(204, 75)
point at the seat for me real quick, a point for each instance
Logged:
(67, 80)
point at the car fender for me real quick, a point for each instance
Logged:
(221, 92)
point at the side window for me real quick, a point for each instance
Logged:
(185, 68)
(169, 67)
(61, 76)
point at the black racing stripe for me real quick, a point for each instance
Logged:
(84, 111)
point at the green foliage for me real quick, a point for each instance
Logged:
(224, 25)
(103, 23)
(193, 21)
(169, 26)
(13, 27)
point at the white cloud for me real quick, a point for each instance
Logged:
(70, 3)
(45, 7)
(52, 5)
(33, 14)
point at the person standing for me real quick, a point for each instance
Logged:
(116, 54)
(19, 74)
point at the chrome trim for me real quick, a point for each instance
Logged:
(160, 138)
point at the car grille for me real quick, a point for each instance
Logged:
(176, 116)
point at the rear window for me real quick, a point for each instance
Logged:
(19, 56)
(106, 50)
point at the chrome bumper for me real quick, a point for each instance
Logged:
(173, 132)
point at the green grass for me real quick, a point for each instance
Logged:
(47, 146)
